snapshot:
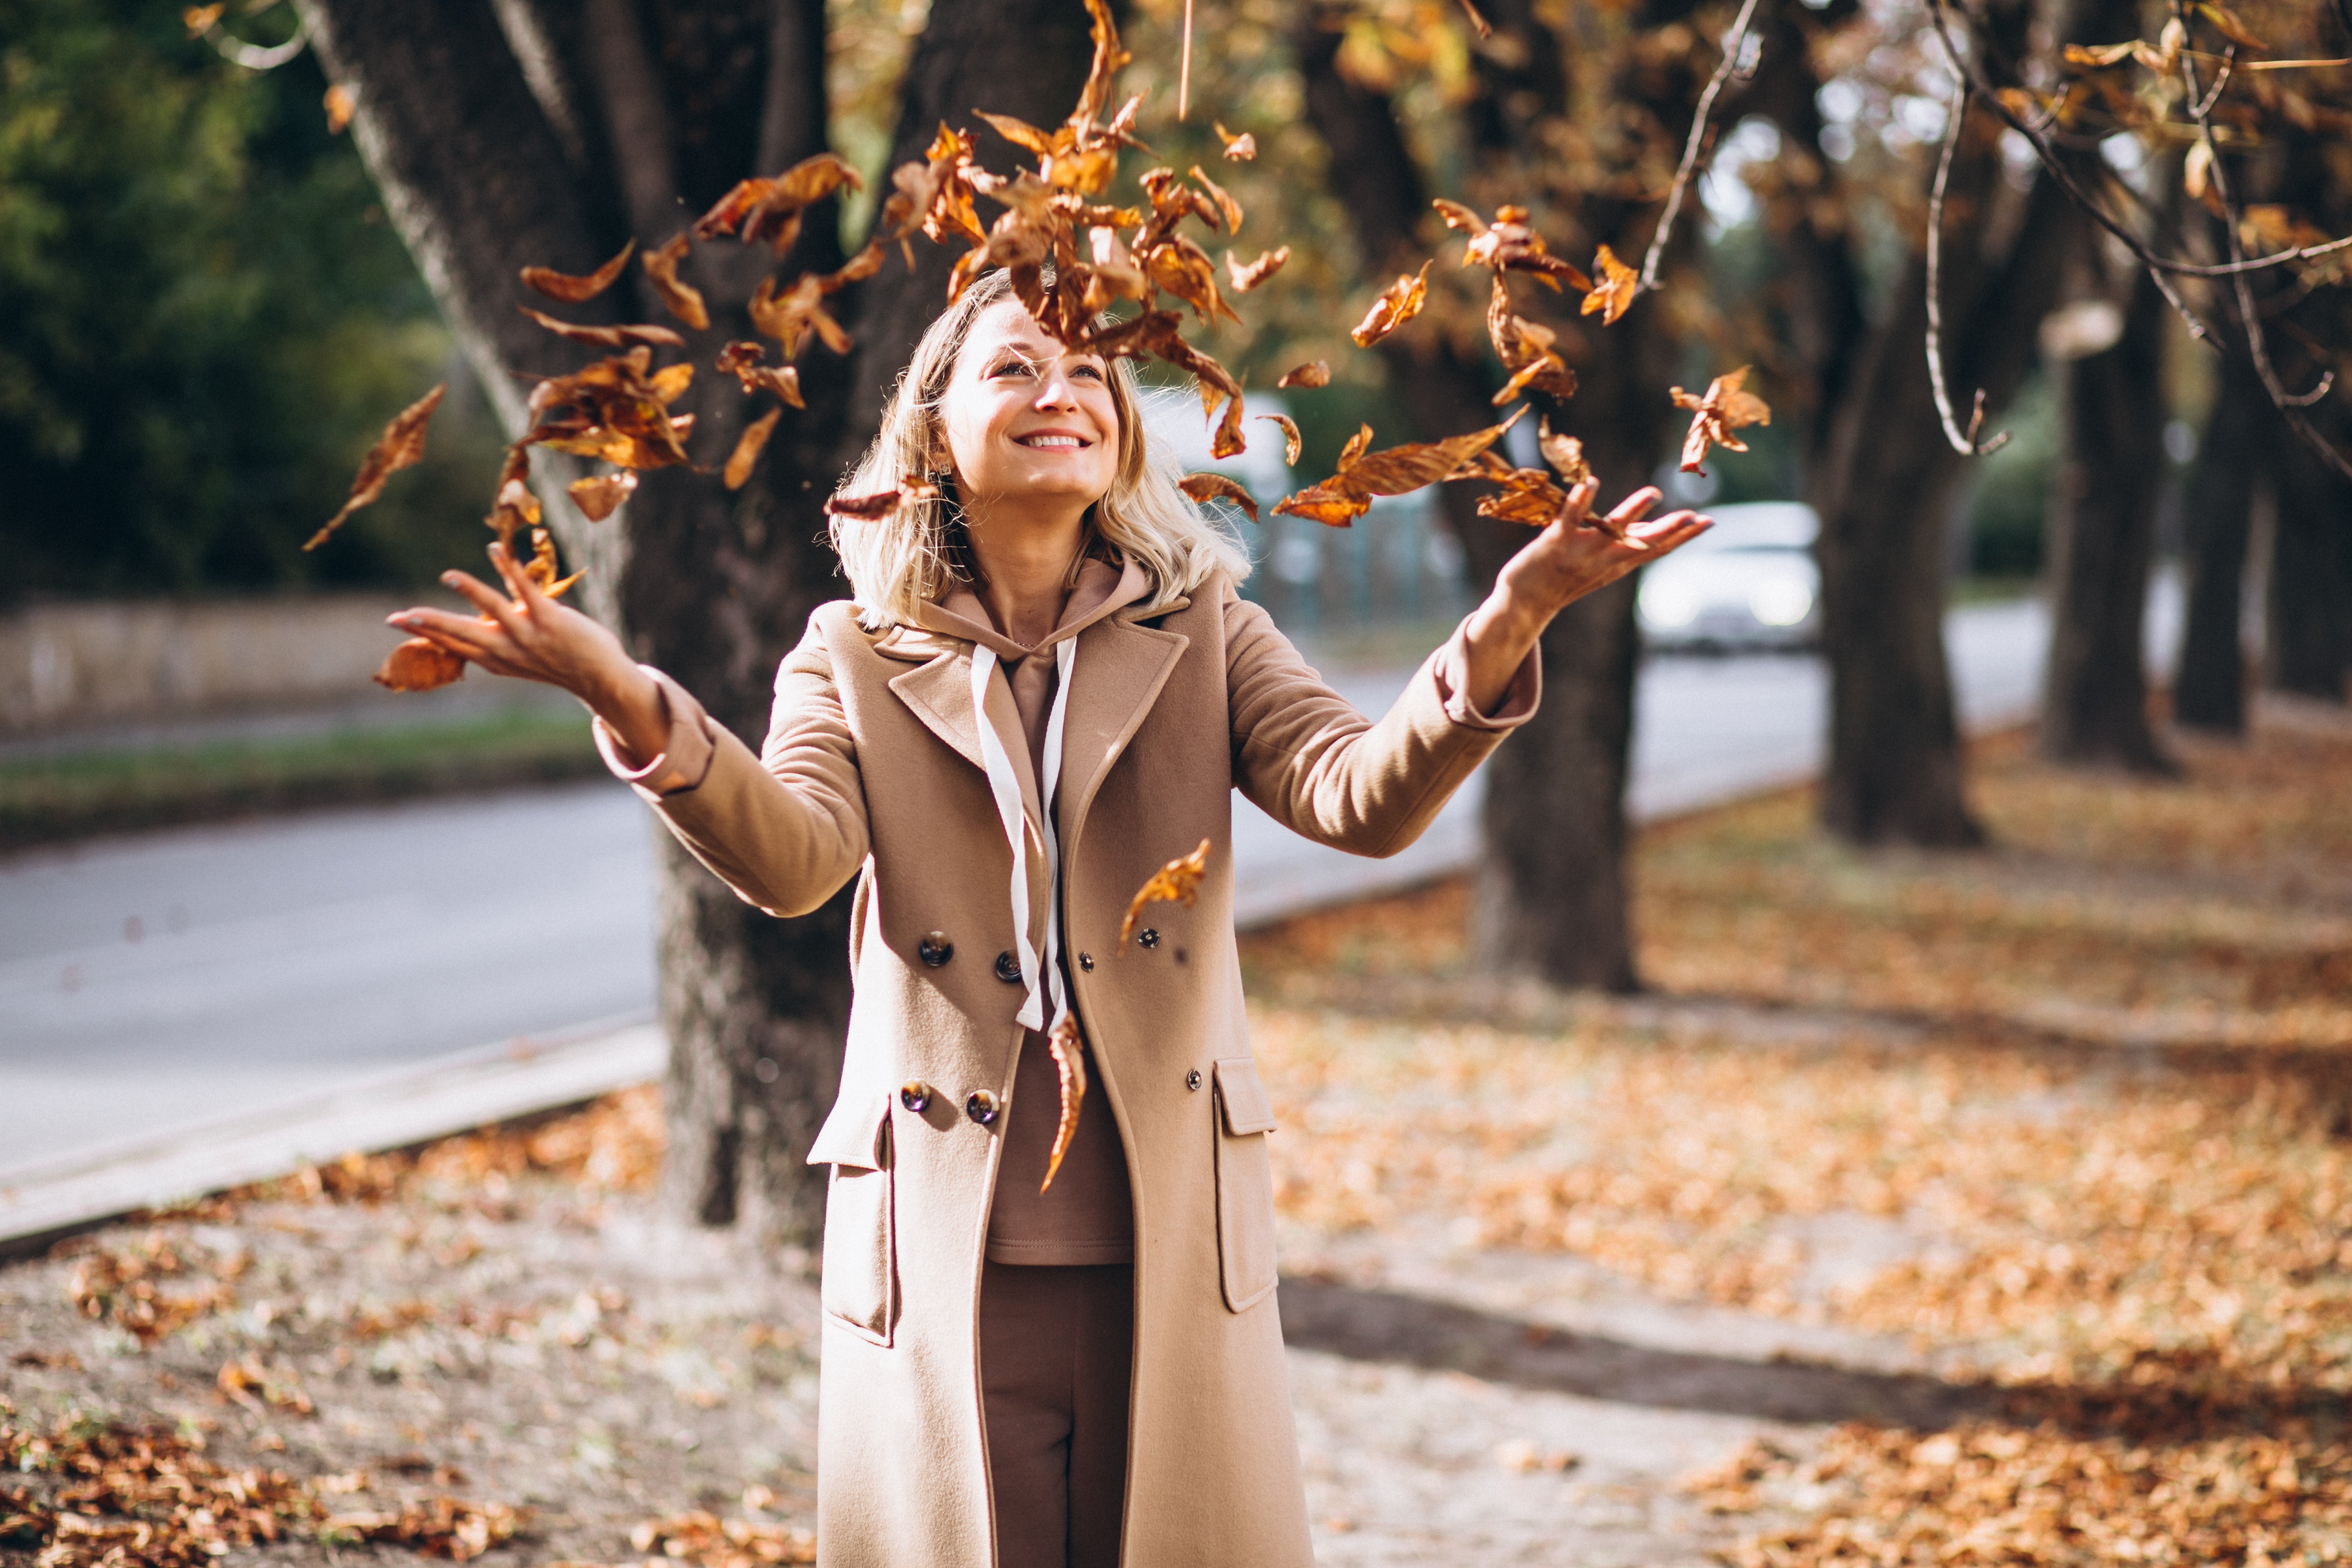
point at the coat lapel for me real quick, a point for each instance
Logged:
(1121, 667)
(939, 694)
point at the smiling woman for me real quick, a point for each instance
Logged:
(1050, 1332)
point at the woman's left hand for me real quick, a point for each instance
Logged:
(1567, 561)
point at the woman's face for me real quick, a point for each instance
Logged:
(1028, 423)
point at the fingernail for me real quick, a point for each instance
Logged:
(450, 578)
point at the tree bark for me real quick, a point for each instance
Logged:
(1550, 900)
(507, 133)
(2094, 700)
(2209, 691)
(2310, 642)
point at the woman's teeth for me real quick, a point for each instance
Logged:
(1069, 441)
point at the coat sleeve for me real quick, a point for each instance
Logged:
(784, 829)
(1318, 767)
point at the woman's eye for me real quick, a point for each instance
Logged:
(1012, 367)
(1088, 370)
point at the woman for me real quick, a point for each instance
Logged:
(1045, 688)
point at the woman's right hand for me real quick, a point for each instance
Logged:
(532, 638)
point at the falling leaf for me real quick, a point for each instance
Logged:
(542, 568)
(1177, 882)
(1527, 349)
(2227, 23)
(741, 360)
(747, 447)
(1289, 435)
(791, 316)
(572, 291)
(771, 209)
(1509, 244)
(1246, 278)
(601, 497)
(1612, 296)
(1239, 149)
(1229, 211)
(1726, 407)
(612, 410)
(417, 665)
(606, 337)
(201, 19)
(1206, 487)
(1313, 374)
(1070, 1068)
(683, 300)
(402, 444)
(1399, 303)
(1348, 494)
(340, 105)
(882, 503)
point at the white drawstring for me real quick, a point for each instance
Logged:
(1044, 980)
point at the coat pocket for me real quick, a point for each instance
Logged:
(859, 1286)
(1244, 1185)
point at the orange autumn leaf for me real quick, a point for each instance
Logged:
(607, 337)
(1239, 149)
(1314, 373)
(1726, 407)
(1177, 882)
(771, 209)
(601, 497)
(747, 447)
(339, 106)
(1229, 211)
(417, 665)
(1206, 487)
(1398, 304)
(1246, 278)
(882, 503)
(1070, 1068)
(1508, 243)
(683, 300)
(572, 291)
(1612, 296)
(401, 445)
(1348, 494)
(201, 19)
(1528, 350)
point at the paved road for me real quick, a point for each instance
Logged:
(176, 978)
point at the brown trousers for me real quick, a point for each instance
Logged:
(1056, 1347)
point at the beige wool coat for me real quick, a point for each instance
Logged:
(872, 769)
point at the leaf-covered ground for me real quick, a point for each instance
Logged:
(1955, 1209)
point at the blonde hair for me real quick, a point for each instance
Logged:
(897, 564)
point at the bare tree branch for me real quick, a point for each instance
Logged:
(1735, 45)
(1963, 442)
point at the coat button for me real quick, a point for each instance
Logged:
(1146, 938)
(1087, 961)
(935, 949)
(1192, 1080)
(915, 1096)
(1008, 968)
(981, 1106)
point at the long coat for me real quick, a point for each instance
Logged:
(872, 769)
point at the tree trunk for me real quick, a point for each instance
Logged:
(2209, 691)
(2094, 703)
(507, 133)
(1550, 885)
(2310, 643)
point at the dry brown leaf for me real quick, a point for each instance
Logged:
(1348, 494)
(572, 291)
(1613, 295)
(1292, 445)
(1314, 373)
(1398, 304)
(1528, 350)
(1564, 453)
(747, 447)
(1070, 1068)
(340, 105)
(771, 209)
(1246, 278)
(791, 316)
(1206, 487)
(871, 508)
(201, 19)
(607, 337)
(1508, 243)
(417, 665)
(601, 497)
(682, 299)
(1229, 211)
(1726, 407)
(1177, 882)
(401, 445)
(1239, 149)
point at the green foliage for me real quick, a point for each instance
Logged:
(204, 322)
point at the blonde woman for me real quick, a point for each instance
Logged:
(1045, 687)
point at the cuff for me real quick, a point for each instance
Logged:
(1451, 667)
(685, 759)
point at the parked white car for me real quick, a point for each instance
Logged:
(1751, 582)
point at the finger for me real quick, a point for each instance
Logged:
(1629, 510)
(524, 586)
(1654, 528)
(458, 634)
(489, 600)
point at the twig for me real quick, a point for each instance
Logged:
(1963, 442)
(1735, 44)
(2291, 406)
(2090, 203)
(1185, 67)
(253, 56)
(2220, 81)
